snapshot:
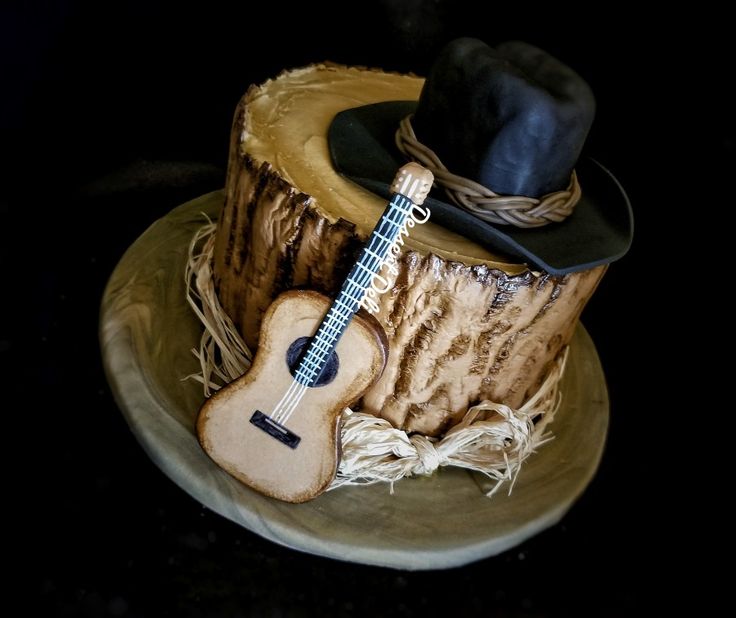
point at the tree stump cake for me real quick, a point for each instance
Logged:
(463, 323)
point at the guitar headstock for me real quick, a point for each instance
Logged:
(413, 181)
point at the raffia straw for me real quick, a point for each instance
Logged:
(223, 355)
(492, 438)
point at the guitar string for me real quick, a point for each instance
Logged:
(360, 286)
(297, 389)
(295, 393)
(294, 396)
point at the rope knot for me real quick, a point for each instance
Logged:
(429, 459)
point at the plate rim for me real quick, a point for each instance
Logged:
(117, 363)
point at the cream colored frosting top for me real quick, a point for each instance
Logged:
(287, 124)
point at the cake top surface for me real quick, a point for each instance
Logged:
(288, 123)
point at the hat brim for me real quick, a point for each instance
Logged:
(599, 231)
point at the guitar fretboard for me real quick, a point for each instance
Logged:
(353, 289)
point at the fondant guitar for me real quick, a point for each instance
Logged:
(276, 428)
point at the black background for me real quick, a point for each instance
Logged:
(112, 116)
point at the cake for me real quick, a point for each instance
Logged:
(477, 313)
(464, 323)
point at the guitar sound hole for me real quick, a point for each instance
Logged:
(294, 355)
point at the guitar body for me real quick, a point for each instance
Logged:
(275, 466)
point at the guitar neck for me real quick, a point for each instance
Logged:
(404, 207)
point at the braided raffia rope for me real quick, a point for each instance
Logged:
(516, 210)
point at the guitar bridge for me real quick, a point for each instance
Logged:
(274, 429)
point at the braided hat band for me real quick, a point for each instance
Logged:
(516, 210)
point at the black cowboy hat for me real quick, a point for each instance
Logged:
(513, 119)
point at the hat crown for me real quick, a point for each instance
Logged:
(512, 118)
